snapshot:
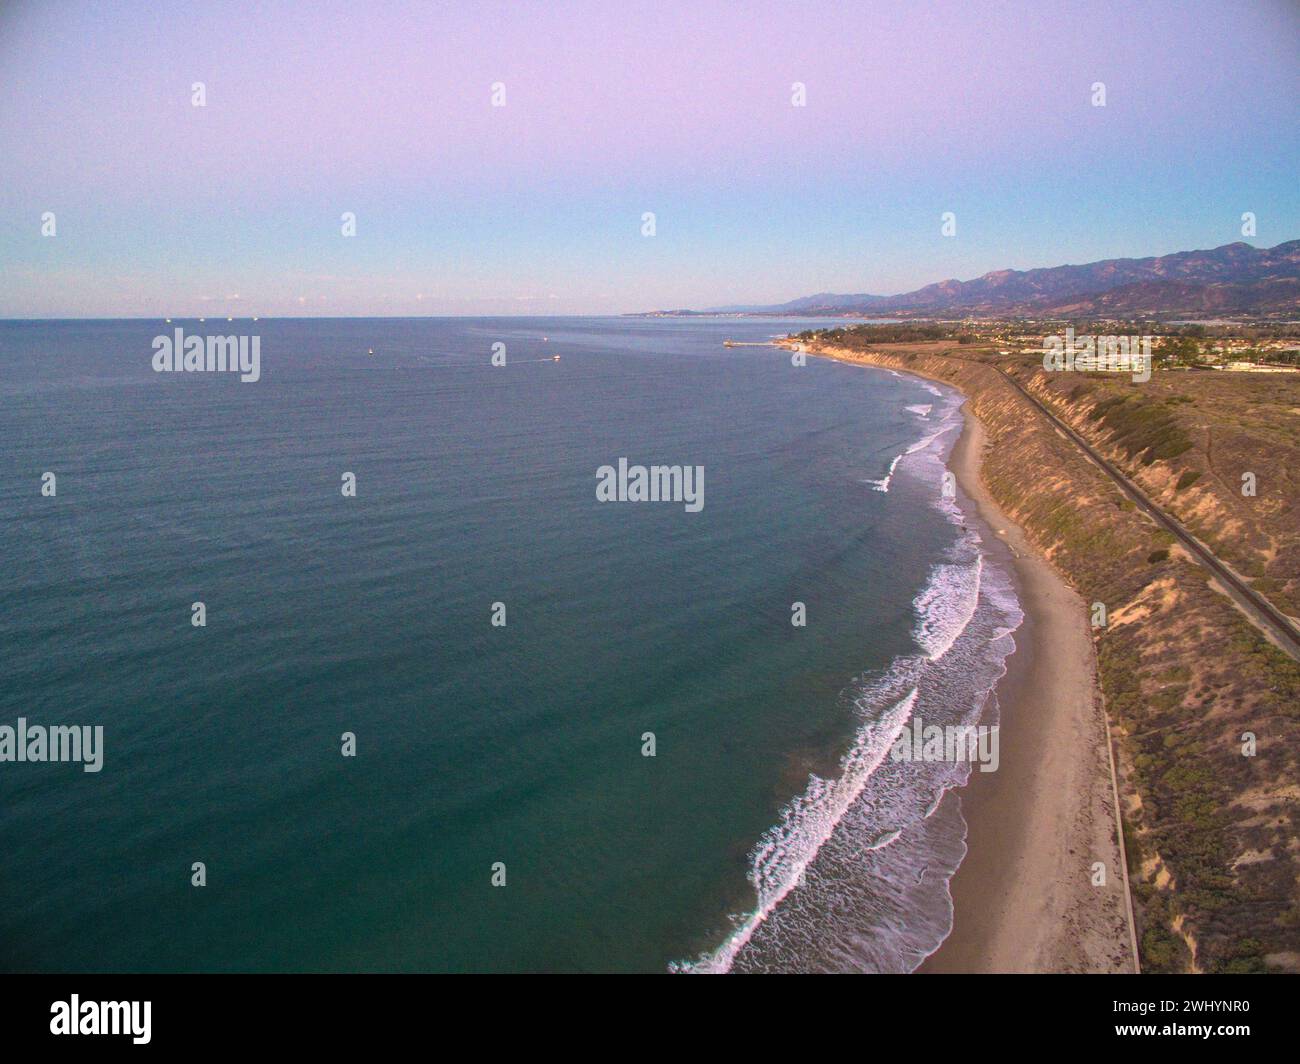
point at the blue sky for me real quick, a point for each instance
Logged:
(985, 110)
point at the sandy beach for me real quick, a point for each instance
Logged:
(1024, 899)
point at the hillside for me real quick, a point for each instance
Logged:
(1211, 833)
(1232, 279)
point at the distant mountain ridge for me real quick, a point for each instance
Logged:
(1234, 278)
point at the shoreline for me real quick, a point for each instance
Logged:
(1023, 896)
(1023, 899)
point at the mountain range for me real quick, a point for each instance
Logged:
(1232, 279)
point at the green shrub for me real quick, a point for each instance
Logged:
(1145, 429)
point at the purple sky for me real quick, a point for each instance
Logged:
(612, 110)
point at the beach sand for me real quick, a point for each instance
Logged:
(1024, 899)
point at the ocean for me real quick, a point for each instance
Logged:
(498, 812)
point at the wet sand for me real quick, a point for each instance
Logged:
(1024, 898)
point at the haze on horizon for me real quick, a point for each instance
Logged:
(163, 208)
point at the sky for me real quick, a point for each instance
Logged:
(612, 110)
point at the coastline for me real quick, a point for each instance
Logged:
(1023, 896)
(1023, 899)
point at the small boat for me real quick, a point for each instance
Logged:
(556, 358)
(371, 351)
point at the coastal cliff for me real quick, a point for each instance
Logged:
(1210, 815)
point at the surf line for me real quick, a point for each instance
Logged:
(830, 800)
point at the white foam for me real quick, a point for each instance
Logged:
(925, 441)
(883, 483)
(785, 851)
(830, 817)
(946, 605)
(949, 420)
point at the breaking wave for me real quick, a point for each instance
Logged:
(854, 874)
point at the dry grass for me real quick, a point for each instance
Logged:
(1212, 834)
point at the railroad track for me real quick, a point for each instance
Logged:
(1250, 601)
(1253, 605)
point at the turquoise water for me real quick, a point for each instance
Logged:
(475, 744)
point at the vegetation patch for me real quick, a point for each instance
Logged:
(1142, 428)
